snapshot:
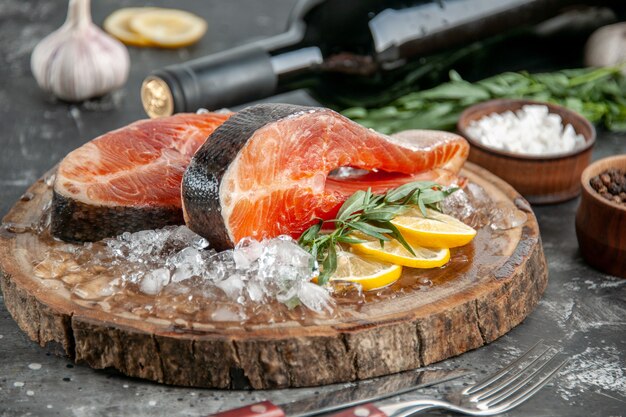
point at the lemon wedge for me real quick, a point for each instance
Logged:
(437, 230)
(370, 273)
(392, 251)
(168, 28)
(118, 25)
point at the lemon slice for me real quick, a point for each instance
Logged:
(370, 273)
(393, 251)
(168, 28)
(437, 230)
(118, 25)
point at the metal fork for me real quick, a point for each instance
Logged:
(498, 393)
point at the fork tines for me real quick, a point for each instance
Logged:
(519, 380)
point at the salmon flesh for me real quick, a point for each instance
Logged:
(128, 179)
(267, 170)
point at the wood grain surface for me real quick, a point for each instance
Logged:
(471, 307)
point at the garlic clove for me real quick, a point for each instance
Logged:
(607, 46)
(79, 61)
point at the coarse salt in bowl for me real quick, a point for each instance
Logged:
(539, 148)
(531, 130)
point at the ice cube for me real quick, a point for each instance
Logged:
(184, 272)
(471, 205)
(289, 296)
(255, 290)
(154, 281)
(282, 259)
(457, 204)
(133, 276)
(139, 247)
(182, 237)
(504, 217)
(117, 247)
(315, 297)
(247, 252)
(219, 266)
(185, 264)
(233, 286)
(144, 239)
(187, 256)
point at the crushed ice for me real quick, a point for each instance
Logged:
(254, 271)
(176, 261)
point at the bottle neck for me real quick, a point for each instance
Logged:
(337, 39)
(291, 65)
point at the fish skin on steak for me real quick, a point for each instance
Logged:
(128, 179)
(265, 171)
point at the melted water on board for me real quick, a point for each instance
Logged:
(126, 275)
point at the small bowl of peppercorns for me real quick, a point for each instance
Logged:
(601, 216)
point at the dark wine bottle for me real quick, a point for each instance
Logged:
(344, 38)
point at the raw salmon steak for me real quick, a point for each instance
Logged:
(265, 171)
(128, 179)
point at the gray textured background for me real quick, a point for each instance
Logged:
(583, 311)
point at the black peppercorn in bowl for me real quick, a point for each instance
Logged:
(601, 216)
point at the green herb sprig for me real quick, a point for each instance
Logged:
(599, 94)
(370, 214)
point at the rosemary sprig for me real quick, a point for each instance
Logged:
(370, 214)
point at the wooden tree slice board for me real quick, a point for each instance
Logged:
(467, 307)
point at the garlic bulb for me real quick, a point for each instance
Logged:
(79, 61)
(607, 46)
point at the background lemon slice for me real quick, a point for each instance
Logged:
(168, 28)
(370, 273)
(437, 230)
(118, 25)
(393, 251)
